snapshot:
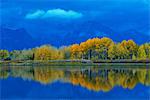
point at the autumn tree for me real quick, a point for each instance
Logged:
(46, 52)
(84, 50)
(113, 51)
(104, 46)
(95, 48)
(130, 48)
(122, 51)
(75, 51)
(92, 49)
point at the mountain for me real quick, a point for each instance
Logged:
(15, 39)
(66, 34)
(135, 35)
(76, 32)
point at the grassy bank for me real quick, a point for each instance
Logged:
(74, 62)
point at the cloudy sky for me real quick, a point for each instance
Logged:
(44, 17)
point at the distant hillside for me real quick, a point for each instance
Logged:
(76, 33)
(15, 39)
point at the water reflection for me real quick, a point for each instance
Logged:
(92, 78)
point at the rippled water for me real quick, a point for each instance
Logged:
(45, 82)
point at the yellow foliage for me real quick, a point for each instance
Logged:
(75, 50)
(47, 52)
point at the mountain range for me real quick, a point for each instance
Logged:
(12, 39)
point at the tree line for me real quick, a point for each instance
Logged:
(92, 49)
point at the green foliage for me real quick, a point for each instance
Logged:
(4, 54)
(134, 57)
(112, 52)
(147, 50)
(22, 55)
(14, 55)
(65, 51)
(27, 55)
(141, 52)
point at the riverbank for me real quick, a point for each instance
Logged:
(74, 62)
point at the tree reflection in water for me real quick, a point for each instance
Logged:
(92, 78)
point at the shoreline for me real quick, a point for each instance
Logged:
(76, 63)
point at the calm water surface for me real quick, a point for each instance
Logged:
(73, 83)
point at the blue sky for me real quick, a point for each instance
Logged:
(46, 17)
